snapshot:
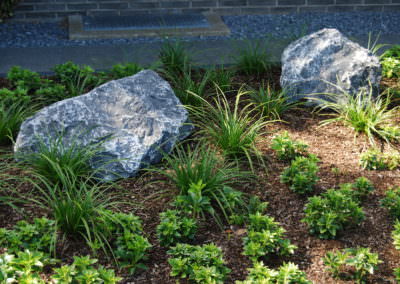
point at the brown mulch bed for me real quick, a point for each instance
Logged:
(338, 151)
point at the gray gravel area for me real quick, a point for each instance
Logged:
(245, 26)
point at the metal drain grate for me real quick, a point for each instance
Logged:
(145, 22)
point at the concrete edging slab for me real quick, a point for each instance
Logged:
(217, 28)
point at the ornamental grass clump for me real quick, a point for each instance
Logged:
(253, 59)
(363, 112)
(374, 159)
(174, 58)
(232, 129)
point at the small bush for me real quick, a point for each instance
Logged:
(362, 187)
(287, 273)
(392, 202)
(51, 92)
(23, 78)
(265, 237)
(361, 261)
(301, 175)
(234, 130)
(124, 70)
(200, 264)
(373, 159)
(287, 149)
(253, 59)
(364, 113)
(272, 103)
(39, 236)
(174, 58)
(332, 212)
(390, 67)
(174, 227)
(396, 235)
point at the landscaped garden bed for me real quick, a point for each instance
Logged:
(307, 173)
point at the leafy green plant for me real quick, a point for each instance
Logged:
(82, 271)
(77, 80)
(203, 178)
(301, 175)
(174, 227)
(51, 92)
(332, 212)
(200, 264)
(23, 78)
(19, 94)
(222, 77)
(6, 8)
(185, 86)
(288, 273)
(124, 70)
(390, 67)
(396, 235)
(361, 261)
(392, 201)
(234, 130)
(25, 267)
(288, 149)
(362, 112)
(11, 117)
(41, 235)
(272, 103)
(129, 243)
(374, 159)
(362, 187)
(265, 237)
(394, 51)
(174, 57)
(253, 59)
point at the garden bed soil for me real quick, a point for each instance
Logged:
(338, 150)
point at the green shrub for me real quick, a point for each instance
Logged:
(301, 175)
(129, 243)
(253, 59)
(234, 130)
(272, 103)
(23, 78)
(124, 70)
(392, 202)
(362, 187)
(265, 237)
(174, 58)
(374, 159)
(51, 92)
(6, 8)
(200, 264)
(390, 67)
(288, 273)
(24, 267)
(174, 227)
(287, 149)
(396, 235)
(332, 212)
(77, 80)
(39, 236)
(82, 271)
(204, 180)
(361, 261)
(9, 97)
(364, 113)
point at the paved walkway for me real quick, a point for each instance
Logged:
(204, 53)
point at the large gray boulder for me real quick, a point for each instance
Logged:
(136, 117)
(328, 56)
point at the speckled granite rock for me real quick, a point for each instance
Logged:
(327, 56)
(138, 115)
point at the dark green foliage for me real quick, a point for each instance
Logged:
(301, 175)
(174, 227)
(287, 149)
(361, 260)
(272, 103)
(361, 187)
(51, 92)
(76, 79)
(11, 116)
(265, 237)
(392, 201)
(6, 8)
(288, 273)
(23, 78)
(200, 264)
(124, 70)
(390, 61)
(332, 212)
(174, 58)
(253, 59)
(222, 78)
(40, 235)
(374, 159)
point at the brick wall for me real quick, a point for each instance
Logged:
(58, 9)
